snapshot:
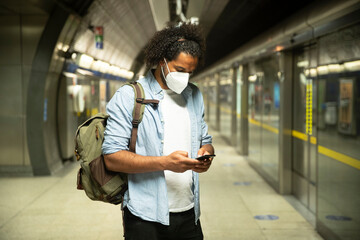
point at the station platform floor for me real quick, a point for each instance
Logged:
(236, 203)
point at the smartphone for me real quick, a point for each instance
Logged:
(204, 157)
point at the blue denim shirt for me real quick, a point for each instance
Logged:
(147, 194)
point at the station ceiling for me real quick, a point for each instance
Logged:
(129, 24)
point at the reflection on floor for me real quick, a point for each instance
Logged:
(236, 203)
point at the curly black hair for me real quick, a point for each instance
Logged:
(171, 41)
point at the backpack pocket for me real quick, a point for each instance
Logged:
(99, 172)
(112, 185)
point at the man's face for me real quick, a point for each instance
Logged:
(183, 63)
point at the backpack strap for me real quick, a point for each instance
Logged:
(138, 112)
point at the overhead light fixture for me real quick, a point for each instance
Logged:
(352, 66)
(113, 70)
(313, 72)
(322, 70)
(74, 56)
(279, 48)
(65, 47)
(59, 46)
(252, 78)
(194, 20)
(130, 75)
(303, 64)
(335, 68)
(85, 61)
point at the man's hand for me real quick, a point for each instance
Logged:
(179, 161)
(203, 166)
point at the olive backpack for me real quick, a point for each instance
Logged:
(99, 183)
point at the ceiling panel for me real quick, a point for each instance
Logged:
(161, 17)
(211, 11)
(128, 25)
(241, 21)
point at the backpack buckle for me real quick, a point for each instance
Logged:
(135, 123)
(139, 100)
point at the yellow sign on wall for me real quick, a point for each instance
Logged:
(309, 91)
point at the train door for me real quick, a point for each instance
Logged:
(213, 102)
(264, 117)
(304, 167)
(255, 115)
(267, 71)
(225, 103)
(205, 92)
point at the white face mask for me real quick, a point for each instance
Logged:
(176, 81)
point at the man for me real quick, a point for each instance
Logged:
(162, 201)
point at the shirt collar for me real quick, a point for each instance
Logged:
(153, 83)
(187, 91)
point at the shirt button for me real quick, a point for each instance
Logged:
(162, 141)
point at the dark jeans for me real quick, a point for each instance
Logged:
(182, 226)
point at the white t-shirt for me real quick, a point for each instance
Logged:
(177, 136)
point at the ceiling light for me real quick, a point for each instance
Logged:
(85, 61)
(352, 66)
(322, 70)
(252, 78)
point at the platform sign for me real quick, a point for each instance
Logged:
(99, 37)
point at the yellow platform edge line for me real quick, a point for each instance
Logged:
(323, 150)
(304, 137)
(339, 157)
(299, 135)
(270, 128)
(253, 121)
(313, 140)
(263, 125)
(225, 110)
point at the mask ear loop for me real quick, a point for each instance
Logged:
(167, 66)
(162, 71)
